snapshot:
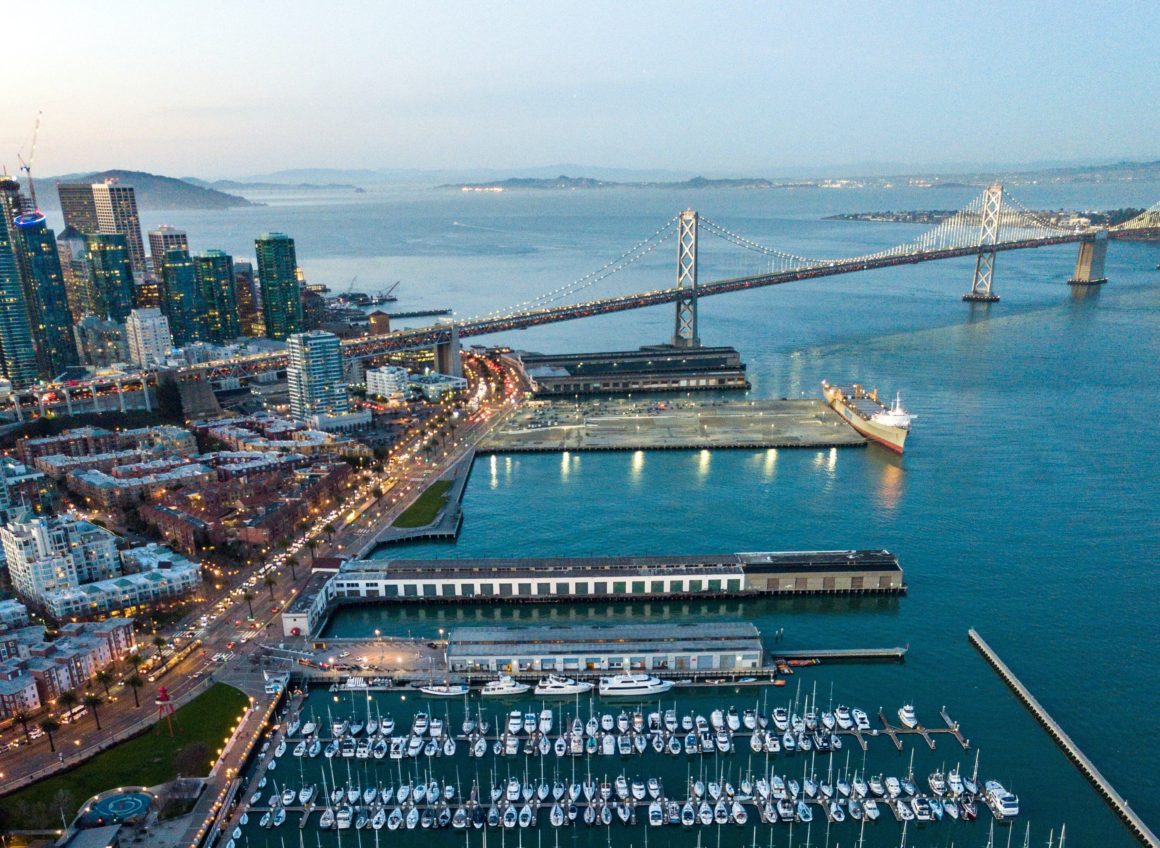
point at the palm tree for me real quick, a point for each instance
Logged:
(92, 700)
(134, 660)
(158, 642)
(329, 529)
(67, 699)
(292, 562)
(312, 543)
(50, 726)
(248, 597)
(22, 717)
(270, 582)
(105, 679)
(135, 682)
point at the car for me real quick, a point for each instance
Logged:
(231, 645)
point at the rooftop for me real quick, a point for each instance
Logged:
(580, 638)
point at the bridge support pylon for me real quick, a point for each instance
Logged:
(685, 331)
(988, 237)
(1089, 265)
(447, 359)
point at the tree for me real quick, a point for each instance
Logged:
(312, 545)
(92, 700)
(377, 491)
(50, 726)
(134, 681)
(192, 759)
(105, 679)
(134, 660)
(159, 643)
(292, 563)
(67, 699)
(248, 597)
(329, 529)
(22, 717)
(270, 582)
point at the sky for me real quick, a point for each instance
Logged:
(228, 89)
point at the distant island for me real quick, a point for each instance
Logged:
(567, 183)
(1059, 217)
(1113, 173)
(155, 191)
(241, 185)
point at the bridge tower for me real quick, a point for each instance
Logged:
(685, 332)
(447, 360)
(1089, 266)
(988, 237)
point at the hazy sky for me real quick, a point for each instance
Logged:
(234, 88)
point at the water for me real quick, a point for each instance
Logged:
(1026, 505)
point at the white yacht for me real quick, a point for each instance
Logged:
(554, 685)
(633, 685)
(907, 716)
(444, 690)
(1003, 804)
(506, 685)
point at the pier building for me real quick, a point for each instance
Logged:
(612, 647)
(657, 368)
(607, 578)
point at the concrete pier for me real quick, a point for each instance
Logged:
(672, 425)
(1089, 265)
(1087, 767)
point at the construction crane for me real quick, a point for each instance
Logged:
(26, 167)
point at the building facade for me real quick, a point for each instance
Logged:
(113, 291)
(77, 272)
(315, 375)
(45, 295)
(248, 299)
(78, 206)
(389, 381)
(215, 281)
(181, 299)
(100, 343)
(278, 275)
(17, 353)
(148, 337)
(46, 555)
(164, 239)
(116, 207)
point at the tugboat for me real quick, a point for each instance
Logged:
(888, 426)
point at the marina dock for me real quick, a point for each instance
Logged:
(1087, 767)
(674, 425)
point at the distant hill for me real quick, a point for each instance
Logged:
(573, 183)
(245, 185)
(154, 191)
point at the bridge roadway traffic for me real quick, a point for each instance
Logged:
(369, 347)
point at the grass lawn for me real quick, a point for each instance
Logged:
(423, 511)
(144, 761)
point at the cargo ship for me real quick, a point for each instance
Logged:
(863, 411)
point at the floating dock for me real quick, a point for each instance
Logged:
(683, 424)
(1087, 767)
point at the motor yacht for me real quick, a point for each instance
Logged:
(556, 686)
(633, 685)
(505, 686)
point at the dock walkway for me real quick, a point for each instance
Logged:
(1087, 767)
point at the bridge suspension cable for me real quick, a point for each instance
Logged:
(630, 257)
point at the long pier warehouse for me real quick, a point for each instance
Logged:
(595, 647)
(592, 578)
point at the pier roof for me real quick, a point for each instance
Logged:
(597, 638)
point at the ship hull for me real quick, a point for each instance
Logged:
(891, 438)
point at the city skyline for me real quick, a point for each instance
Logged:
(458, 87)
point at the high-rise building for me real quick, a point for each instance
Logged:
(147, 332)
(248, 299)
(164, 239)
(315, 375)
(77, 271)
(215, 282)
(100, 343)
(79, 207)
(278, 274)
(45, 296)
(17, 354)
(117, 213)
(112, 275)
(147, 292)
(180, 298)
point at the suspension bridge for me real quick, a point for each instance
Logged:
(990, 224)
